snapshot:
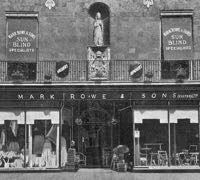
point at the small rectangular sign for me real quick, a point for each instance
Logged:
(137, 134)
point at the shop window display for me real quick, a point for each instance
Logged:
(31, 139)
(151, 145)
(169, 141)
(12, 144)
(44, 150)
(184, 143)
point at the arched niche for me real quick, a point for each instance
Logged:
(104, 10)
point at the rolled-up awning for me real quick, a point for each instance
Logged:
(18, 116)
(53, 115)
(141, 114)
(191, 114)
(162, 115)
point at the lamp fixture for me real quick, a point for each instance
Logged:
(114, 120)
(78, 120)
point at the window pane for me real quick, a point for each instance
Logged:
(21, 71)
(184, 135)
(151, 142)
(175, 70)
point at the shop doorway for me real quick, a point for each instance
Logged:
(95, 137)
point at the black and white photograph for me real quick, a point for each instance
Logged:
(99, 89)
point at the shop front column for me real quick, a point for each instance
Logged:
(174, 128)
(30, 144)
(136, 148)
(25, 136)
(59, 134)
(199, 131)
(169, 134)
(57, 145)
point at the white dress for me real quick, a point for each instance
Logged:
(63, 151)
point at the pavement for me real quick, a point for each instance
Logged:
(99, 174)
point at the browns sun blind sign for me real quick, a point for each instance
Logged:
(177, 37)
(22, 38)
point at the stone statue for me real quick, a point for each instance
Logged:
(98, 66)
(98, 30)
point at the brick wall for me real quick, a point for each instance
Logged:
(64, 31)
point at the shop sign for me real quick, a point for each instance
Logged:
(156, 95)
(107, 95)
(191, 95)
(31, 96)
(97, 96)
(177, 38)
(21, 39)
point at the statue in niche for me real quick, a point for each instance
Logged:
(98, 30)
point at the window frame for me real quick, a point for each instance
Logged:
(175, 14)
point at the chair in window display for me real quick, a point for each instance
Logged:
(184, 157)
(162, 158)
(193, 154)
(154, 158)
(177, 159)
(114, 161)
(193, 148)
(81, 158)
(193, 159)
(144, 155)
(143, 159)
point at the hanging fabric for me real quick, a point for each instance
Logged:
(14, 126)
(52, 134)
(3, 137)
(47, 153)
(63, 151)
(38, 143)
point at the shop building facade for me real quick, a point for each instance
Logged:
(99, 74)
